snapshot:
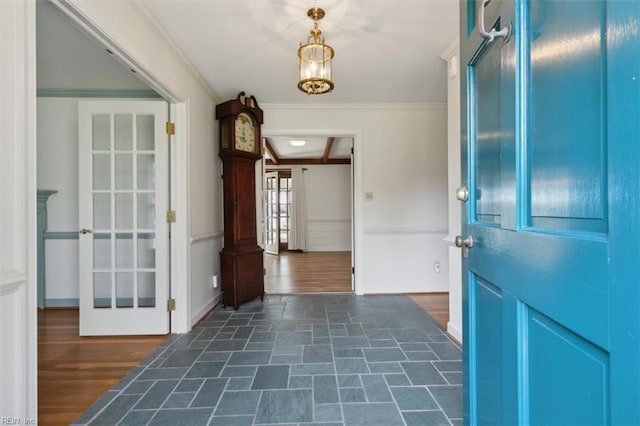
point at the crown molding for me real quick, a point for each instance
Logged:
(372, 106)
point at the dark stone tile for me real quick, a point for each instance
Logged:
(182, 358)
(317, 353)
(238, 321)
(138, 387)
(327, 413)
(421, 356)
(285, 406)
(288, 350)
(383, 343)
(348, 353)
(288, 338)
(312, 369)
(414, 347)
(162, 373)
(410, 335)
(375, 387)
(286, 359)
(446, 351)
(243, 332)
(351, 366)
(348, 395)
(453, 378)
(425, 418)
(300, 382)
(457, 422)
(179, 400)
(214, 356)
(320, 330)
(209, 393)
(448, 366)
(239, 383)
(157, 394)
(226, 345)
(354, 330)
(372, 414)
(271, 377)
(205, 369)
(231, 421)
(449, 398)
(422, 373)
(189, 385)
(350, 342)
(259, 346)
(137, 418)
(349, 381)
(181, 417)
(385, 367)
(238, 403)
(378, 334)
(113, 412)
(398, 379)
(128, 378)
(321, 341)
(96, 407)
(413, 398)
(325, 390)
(440, 337)
(384, 355)
(238, 372)
(249, 358)
(263, 336)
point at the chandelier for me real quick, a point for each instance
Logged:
(315, 59)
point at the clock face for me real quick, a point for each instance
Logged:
(245, 133)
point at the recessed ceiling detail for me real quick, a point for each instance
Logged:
(317, 150)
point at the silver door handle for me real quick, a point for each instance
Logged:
(84, 231)
(464, 243)
(504, 32)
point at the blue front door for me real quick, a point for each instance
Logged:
(551, 158)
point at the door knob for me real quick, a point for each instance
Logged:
(462, 194)
(85, 231)
(464, 243)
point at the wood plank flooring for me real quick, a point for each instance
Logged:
(307, 272)
(74, 371)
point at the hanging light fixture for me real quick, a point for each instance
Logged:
(315, 59)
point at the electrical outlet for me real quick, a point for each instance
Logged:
(436, 267)
(214, 281)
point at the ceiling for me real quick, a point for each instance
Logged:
(387, 51)
(316, 150)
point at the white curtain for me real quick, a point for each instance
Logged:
(298, 218)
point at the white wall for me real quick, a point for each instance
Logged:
(452, 56)
(400, 156)
(328, 190)
(136, 39)
(18, 270)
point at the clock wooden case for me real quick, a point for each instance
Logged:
(241, 259)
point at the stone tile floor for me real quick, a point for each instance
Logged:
(336, 359)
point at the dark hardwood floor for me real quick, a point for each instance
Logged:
(75, 371)
(307, 272)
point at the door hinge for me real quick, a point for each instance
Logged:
(352, 150)
(264, 271)
(353, 269)
(171, 305)
(171, 128)
(171, 216)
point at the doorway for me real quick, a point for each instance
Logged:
(307, 214)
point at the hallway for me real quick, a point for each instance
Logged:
(335, 359)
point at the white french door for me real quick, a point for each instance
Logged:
(271, 213)
(123, 199)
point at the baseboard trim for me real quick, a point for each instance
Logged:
(202, 313)
(62, 303)
(454, 332)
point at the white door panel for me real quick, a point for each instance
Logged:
(123, 199)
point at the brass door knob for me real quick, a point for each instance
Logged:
(84, 231)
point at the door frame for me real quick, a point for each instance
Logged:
(356, 188)
(179, 243)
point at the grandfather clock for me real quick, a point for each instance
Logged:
(241, 258)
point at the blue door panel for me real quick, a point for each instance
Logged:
(565, 136)
(568, 377)
(486, 305)
(485, 78)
